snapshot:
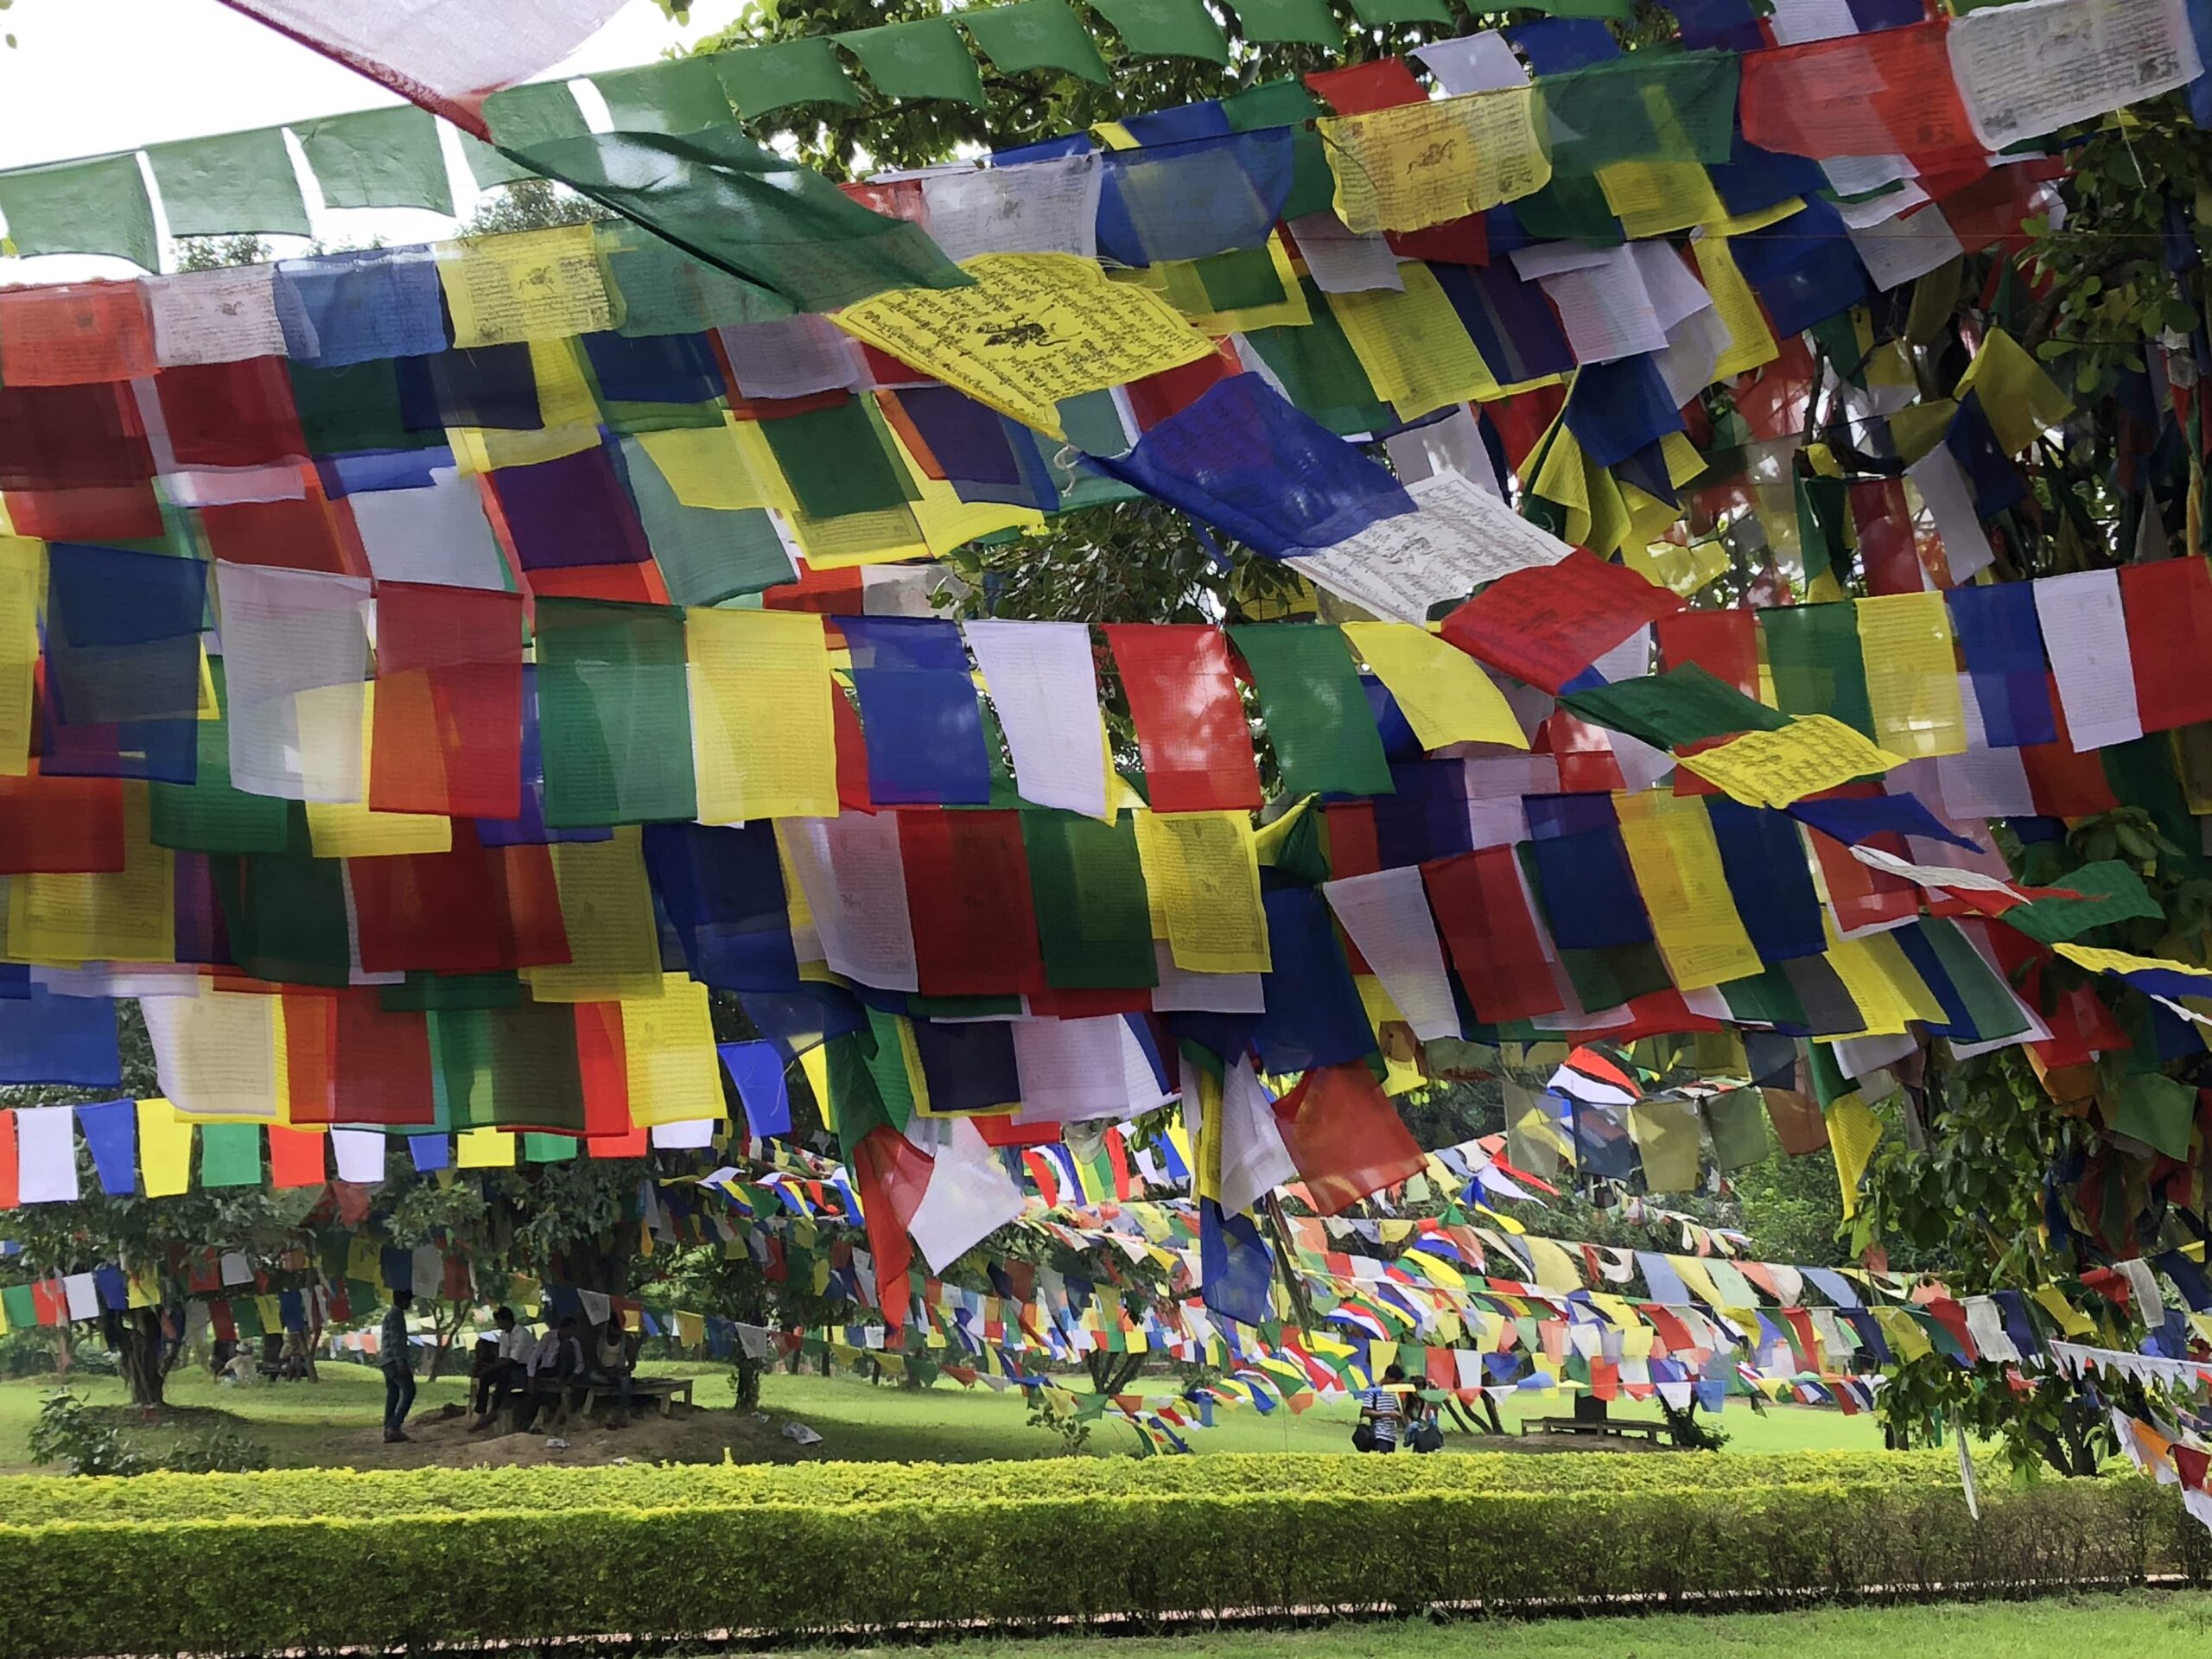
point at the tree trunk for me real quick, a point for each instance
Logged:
(1111, 1373)
(136, 1336)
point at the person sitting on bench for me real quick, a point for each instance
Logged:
(557, 1360)
(612, 1364)
(1382, 1413)
(499, 1368)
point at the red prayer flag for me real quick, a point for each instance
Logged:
(603, 1063)
(74, 334)
(1887, 548)
(1383, 83)
(296, 1157)
(1344, 1136)
(231, 414)
(447, 734)
(1191, 734)
(1545, 624)
(1888, 94)
(2169, 610)
(59, 825)
(893, 1175)
(72, 438)
(10, 1184)
(1482, 913)
(309, 533)
(967, 897)
(473, 910)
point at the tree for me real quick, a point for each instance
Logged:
(530, 204)
(147, 1235)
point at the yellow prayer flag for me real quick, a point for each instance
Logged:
(125, 915)
(23, 577)
(1853, 1131)
(607, 907)
(889, 534)
(484, 1149)
(1443, 692)
(564, 396)
(763, 742)
(1203, 869)
(2020, 399)
(814, 1067)
(729, 467)
(1684, 570)
(164, 1150)
(1912, 674)
(487, 449)
(1553, 1267)
(537, 285)
(1880, 979)
(1811, 753)
(1417, 353)
(1676, 859)
(1034, 328)
(1750, 341)
(668, 1046)
(2070, 1320)
(1658, 197)
(1414, 165)
(2099, 959)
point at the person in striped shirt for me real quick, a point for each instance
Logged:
(1382, 1413)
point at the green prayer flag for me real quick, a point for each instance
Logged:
(1377, 13)
(1271, 104)
(1093, 424)
(1317, 713)
(1307, 22)
(705, 556)
(232, 183)
(22, 1306)
(431, 993)
(921, 60)
(536, 1081)
(230, 1154)
(461, 1067)
(1036, 35)
(1684, 705)
(520, 116)
(1166, 28)
(837, 463)
(1823, 528)
(1609, 976)
(1569, 210)
(378, 158)
(886, 1067)
(285, 912)
(760, 80)
(1088, 889)
(1990, 1008)
(96, 207)
(354, 407)
(1320, 371)
(859, 1105)
(655, 287)
(720, 196)
(1668, 1135)
(548, 1148)
(2110, 891)
(614, 713)
(207, 815)
(1818, 667)
(674, 95)
(1829, 1084)
(2157, 1110)
(1241, 278)
(1737, 1121)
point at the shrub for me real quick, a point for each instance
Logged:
(365, 1495)
(260, 1584)
(70, 1433)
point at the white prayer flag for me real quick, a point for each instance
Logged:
(1045, 685)
(1387, 916)
(2087, 630)
(46, 1151)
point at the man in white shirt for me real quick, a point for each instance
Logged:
(501, 1362)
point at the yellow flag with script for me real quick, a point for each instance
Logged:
(1811, 753)
(1034, 329)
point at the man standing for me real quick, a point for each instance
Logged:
(399, 1362)
(1381, 1415)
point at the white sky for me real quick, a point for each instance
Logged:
(93, 76)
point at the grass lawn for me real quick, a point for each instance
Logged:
(304, 1424)
(2139, 1622)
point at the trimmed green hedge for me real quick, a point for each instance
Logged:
(367, 1494)
(255, 1584)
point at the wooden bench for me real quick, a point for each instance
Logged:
(1620, 1428)
(666, 1390)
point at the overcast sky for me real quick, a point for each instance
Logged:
(91, 76)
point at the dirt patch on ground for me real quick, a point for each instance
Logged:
(688, 1434)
